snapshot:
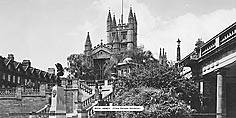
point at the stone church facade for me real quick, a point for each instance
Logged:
(120, 37)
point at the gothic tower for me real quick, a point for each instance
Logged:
(88, 46)
(135, 31)
(130, 33)
(109, 29)
(162, 57)
(122, 36)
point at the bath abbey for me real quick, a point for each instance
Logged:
(117, 78)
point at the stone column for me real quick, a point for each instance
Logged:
(221, 101)
(75, 94)
(79, 98)
(58, 102)
(106, 82)
(18, 92)
(42, 90)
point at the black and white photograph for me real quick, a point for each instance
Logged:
(117, 58)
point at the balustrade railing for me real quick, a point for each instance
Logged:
(8, 92)
(30, 92)
(225, 37)
(108, 97)
(19, 92)
(88, 102)
(208, 47)
(90, 83)
(219, 40)
(86, 88)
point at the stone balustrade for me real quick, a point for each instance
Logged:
(108, 97)
(86, 88)
(8, 92)
(30, 92)
(19, 92)
(219, 40)
(88, 102)
(211, 45)
(226, 36)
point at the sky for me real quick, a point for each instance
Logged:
(48, 31)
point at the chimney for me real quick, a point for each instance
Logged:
(10, 57)
(26, 63)
(51, 70)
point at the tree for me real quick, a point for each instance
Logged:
(149, 78)
(157, 103)
(80, 65)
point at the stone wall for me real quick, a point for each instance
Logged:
(26, 105)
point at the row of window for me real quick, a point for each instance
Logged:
(123, 72)
(12, 78)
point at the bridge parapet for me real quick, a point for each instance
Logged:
(224, 37)
(219, 40)
(209, 46)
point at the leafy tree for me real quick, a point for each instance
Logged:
(158, 103)
(151, 78)
(80, 65)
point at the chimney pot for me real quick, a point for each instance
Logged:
(51, 70)
(11, 57)
(26, 63)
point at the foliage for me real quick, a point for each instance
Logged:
(158, 103)
(160, 81)
(80, 65)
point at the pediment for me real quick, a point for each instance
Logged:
(101, 54)
(101, 48)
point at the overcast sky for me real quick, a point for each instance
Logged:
(48, 31)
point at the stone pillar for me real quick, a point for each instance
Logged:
(58, 102)
(106, 82)
(42, 90)
(18, 92)
(221, 93)
(75, 94)
(79, 98)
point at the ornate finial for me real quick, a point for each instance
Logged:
(101, 42)
(178, 42)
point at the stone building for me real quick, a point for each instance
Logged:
(120, 37)
(163, 58)
(13, 73)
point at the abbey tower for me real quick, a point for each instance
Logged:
(120, 36)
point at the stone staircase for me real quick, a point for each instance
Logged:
(42, 112)
(88, 100)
